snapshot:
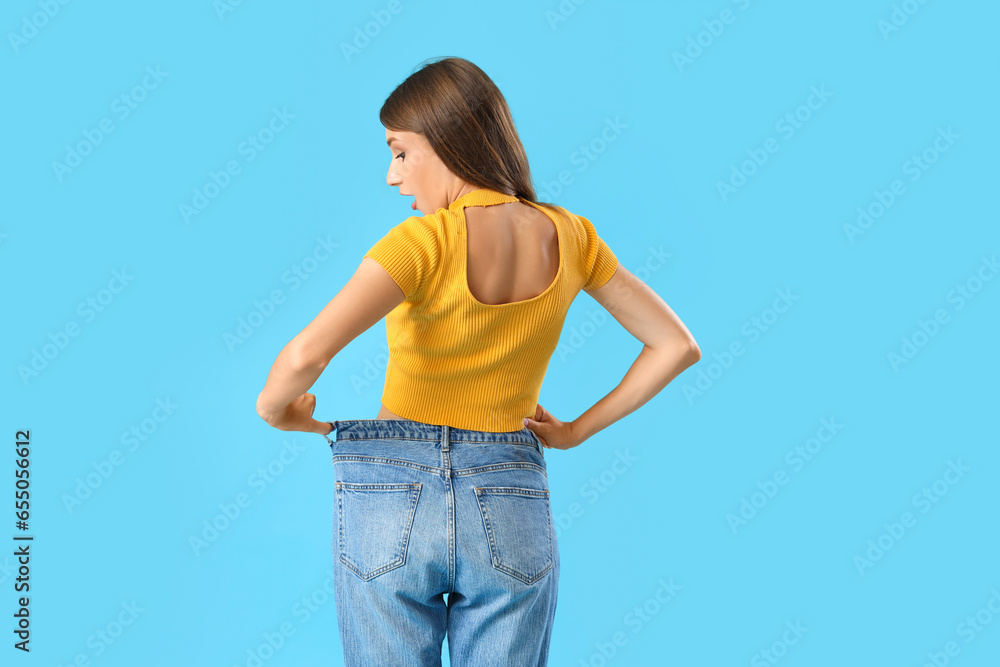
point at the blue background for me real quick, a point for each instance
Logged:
(703, 449)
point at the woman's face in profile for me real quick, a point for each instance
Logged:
(417, 170)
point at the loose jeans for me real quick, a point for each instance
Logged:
(424, 510)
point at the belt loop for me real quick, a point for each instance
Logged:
(445, 436)
(334, 425)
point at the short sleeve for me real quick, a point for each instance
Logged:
(409, 253)
(599, 262)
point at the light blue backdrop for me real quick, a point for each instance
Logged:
(811, 187)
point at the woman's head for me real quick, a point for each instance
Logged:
(450, 131)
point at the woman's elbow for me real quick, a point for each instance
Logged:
(262, 411)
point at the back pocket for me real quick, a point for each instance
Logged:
(374, 525)
(518, 529)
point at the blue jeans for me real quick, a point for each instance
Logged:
(423, 511)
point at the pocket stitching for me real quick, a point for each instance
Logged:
(403, 546)
(488, 525)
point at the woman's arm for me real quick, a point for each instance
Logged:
(668, 349)
(368, 296)
(289, 378)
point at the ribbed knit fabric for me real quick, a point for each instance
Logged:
(466, 364)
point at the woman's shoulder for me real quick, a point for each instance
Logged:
(567, 220)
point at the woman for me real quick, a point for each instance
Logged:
(445, 492)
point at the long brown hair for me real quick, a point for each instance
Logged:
(466, 120)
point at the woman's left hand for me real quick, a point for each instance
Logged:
(297, 416)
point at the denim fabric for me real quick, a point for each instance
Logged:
(422, 511)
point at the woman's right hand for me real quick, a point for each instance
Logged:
(553, 433)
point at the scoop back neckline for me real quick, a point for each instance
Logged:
(465, 251)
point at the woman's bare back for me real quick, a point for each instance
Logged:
(512, 252)
(512, 255)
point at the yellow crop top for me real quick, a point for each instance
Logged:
(454, 360)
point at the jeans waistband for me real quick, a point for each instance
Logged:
(368, 429)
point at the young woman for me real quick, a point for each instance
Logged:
(445, 492)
